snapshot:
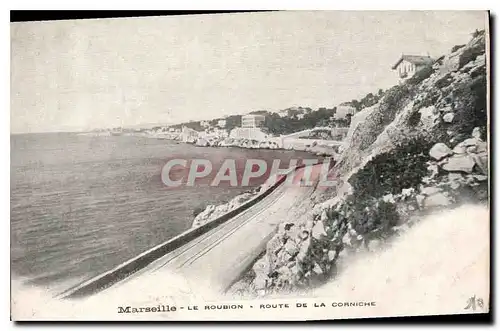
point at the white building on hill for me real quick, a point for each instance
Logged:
(189, 135)
(408, 65)
(248, 133)
(252, 121)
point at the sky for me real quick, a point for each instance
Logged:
(78, 75)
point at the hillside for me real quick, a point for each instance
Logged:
(286, 121)
(420, 149)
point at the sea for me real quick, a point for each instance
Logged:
(81, 204)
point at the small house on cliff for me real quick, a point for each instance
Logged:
(408, 65)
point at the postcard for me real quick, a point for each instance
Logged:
(250, 166)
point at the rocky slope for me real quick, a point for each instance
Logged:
(212, 212)
(420, 149)
(318, 147)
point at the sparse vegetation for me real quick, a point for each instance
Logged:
(429, 99)
(444, 81)
(390, 172)
(414, 118)
(421, 75)
(477, 33)
(471, 53)
(395, 180)
(470, 107)
(370, 215)
(367, 101)
(456, 48)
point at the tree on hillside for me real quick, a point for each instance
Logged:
(477, 33)
(348, 118)
(233, 121)
(367, 101)
(259, 112)
(293, 112)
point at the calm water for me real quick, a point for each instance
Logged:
(80, 205)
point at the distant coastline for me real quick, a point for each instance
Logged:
(317, 147)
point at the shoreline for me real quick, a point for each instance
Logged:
(316, 147)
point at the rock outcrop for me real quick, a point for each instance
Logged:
(318, 147)
(422, 148)
(212, 212)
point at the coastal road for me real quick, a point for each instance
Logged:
(217, 258)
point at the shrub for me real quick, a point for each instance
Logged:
(471, 53)
(421, 75)
(370, 215)
(386, 173)
(444, 81)
(430, 99)
(390, 172)
(470, 107)
(456, 48)
(440, 60)
(414, 118)
(481, 71)
(477, 33)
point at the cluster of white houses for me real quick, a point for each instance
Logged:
(220, 123)
(250, 128)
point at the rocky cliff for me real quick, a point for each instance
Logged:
(212, 212)
(421, 148)
(319, 147)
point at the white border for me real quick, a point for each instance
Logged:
(254, 5)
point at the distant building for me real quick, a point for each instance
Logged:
(408, 65)
(205, 124)
(214, 133)
(343, 110)
(252, 121)
(283, 113)
(189, 135)
(221, 123)
(248, 133)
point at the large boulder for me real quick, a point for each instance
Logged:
(463, 163)
(318, 230)
(481, 160)
(438, 199)
(430, 190)
(439, 151)
(429, 116)
(448, 118)
(476, 133)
